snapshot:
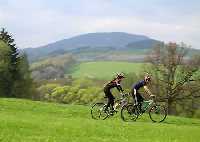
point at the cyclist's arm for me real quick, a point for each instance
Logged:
(119, 87)
(147, 90)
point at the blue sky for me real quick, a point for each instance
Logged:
(38, 22)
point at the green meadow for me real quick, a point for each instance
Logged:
(104, 69)
(32, 121)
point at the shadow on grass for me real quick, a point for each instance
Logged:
(171, 120)
(181, 123)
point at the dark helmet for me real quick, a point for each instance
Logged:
(120, 75)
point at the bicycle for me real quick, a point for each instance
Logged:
(157, 113)
(98, 110)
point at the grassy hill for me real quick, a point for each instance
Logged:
(28, 121)
(104, 70)
(97, 44)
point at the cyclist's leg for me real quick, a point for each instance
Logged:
(140, 100)
(135, 99)
(109, 95)
(139, 97)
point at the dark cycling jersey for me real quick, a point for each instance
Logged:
(138, 85)
(113, 84)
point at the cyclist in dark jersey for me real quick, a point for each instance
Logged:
(112, 84)
(136, 95)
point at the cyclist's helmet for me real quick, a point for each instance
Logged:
(120, 75)
(147, 77)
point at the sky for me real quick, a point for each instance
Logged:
(35, 23)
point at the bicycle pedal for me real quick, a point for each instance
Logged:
(111, 114)
(141, 113)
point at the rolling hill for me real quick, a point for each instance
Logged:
(95, 46)
(32, 121)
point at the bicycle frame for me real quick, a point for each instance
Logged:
(122, 101)
(147, 104)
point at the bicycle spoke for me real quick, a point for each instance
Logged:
(98, 111)
(157, 113)
(129, 113)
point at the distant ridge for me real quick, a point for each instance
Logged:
(92, 42)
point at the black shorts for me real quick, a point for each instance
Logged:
(138, 95)
(108, 94)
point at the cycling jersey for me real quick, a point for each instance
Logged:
(108, 93)
(113, 84)
(138, 85)
(136, 95)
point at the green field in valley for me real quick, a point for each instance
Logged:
(29, 121)
(104, 70)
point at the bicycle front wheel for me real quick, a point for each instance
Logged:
(157, 113)
(129, 113)
(98, 111)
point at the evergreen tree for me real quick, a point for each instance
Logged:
(12, 55)
(5, 75)
(24, 86)
(19, 83)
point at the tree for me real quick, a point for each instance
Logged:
(13, 62)
(24, 85)
(7, 38)
(173, 72)
(5, 75)
(16, 75)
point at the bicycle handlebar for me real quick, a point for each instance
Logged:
(124, 95)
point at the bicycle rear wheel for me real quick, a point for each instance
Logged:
(98, 111)
(129, 113)
(157, 113)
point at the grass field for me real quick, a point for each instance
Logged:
(28, 121)
(104, 70)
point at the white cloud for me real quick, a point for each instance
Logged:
(35, 23)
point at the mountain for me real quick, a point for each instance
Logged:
(92, 45)
(144, 44)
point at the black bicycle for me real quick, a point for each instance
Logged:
(99, 111)
(157, 113)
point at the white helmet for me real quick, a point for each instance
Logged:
(147, 77)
